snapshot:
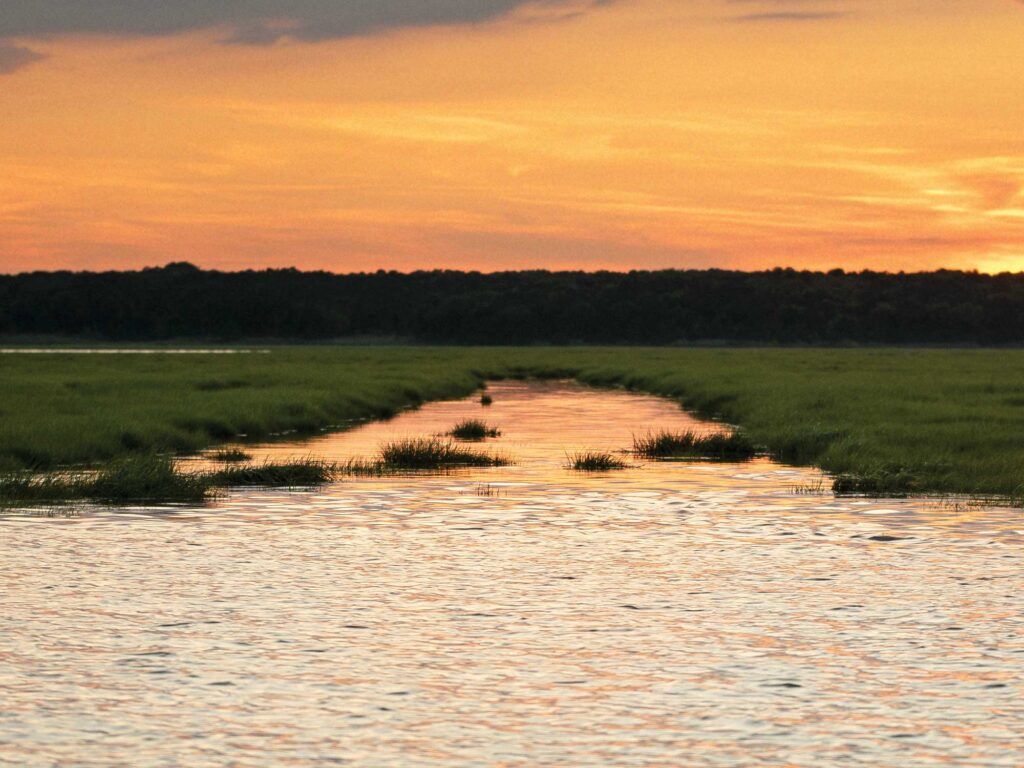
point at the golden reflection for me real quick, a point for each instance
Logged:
(542, 424)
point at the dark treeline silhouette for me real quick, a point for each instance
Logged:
(180, 301)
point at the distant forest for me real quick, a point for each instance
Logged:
(782, 306)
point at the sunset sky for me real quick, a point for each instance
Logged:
(495, 134)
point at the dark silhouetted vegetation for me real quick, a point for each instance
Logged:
(22, 487)
(892, 480)
(432, 453)
(473, 429)
(595, 461)
(684, 445)
(666, 307)
(300, 473)
(146, 479)
(486, 400)
(231, 456)
(153, 479)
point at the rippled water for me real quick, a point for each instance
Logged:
(667, 615)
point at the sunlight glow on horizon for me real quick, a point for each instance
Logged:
(639, 134)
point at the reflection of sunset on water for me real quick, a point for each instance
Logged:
(542, 424)
(695, 614)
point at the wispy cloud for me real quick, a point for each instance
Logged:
(15, 57)
(789, 16)
(791, 10)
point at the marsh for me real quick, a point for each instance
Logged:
(687, 608)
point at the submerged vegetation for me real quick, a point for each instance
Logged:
(691, 445)
(473, 429)
(595, 461)
(927, 421)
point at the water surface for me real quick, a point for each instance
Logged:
(674, 614)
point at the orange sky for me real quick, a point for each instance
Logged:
(635, 134)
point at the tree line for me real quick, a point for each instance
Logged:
(785, 306)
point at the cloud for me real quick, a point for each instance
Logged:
(790, 10)
(789, 16)
(255, 21)
(14, 57)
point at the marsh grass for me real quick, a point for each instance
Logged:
(299, 473)
(684, 445)
(139, 479)
(154, 479)
(22, 487)
(892, 481)
(595, 461)
(473, 429)
(230, 456)
(1017, 497)
(434, 453)
(816, 488)
(365, 468)
(952, 417)
(486, 400)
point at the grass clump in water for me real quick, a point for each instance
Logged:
(148, 479)
(364, 468)
(486, 400)
(301, 473)
(473, 429)
(154, 479)
(231, 456)
(595, 461)
(434, 453)
(26, 488)
(679, 445)
(151, 478)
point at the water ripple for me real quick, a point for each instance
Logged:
(673, 614)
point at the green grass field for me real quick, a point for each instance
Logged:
(935, 421)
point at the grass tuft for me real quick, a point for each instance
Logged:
(816, 488)
(301, 473)
(690, 444)
(486, 400)
(595, 461)
(433, 453)
(473, 429)
(231, 456)
(154, 479)
(26, 488)
(149, 478)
